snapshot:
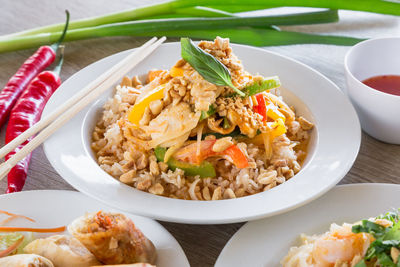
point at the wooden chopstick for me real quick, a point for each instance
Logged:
(93, 91)
(37, 127)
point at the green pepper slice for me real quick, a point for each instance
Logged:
(262, 85)
(205, 114)
(204, 170)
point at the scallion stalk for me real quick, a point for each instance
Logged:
(261, 37)
(172, 7)
(133, 14)
(185, 26)
(249, 36)
(200, 11)
(197, 11)
(374, 6)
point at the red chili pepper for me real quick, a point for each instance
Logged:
(26, 112)
(261, 107)
(40, 60)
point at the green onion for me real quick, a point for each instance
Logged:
(197, 11)
(205, 114)
(133, 14)
(171, 27)
(249, 36)
(226, 124)
(228, 19)
(375, 6)
(260, 37)
(174, 7)
(265, 37)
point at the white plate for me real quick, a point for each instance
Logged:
(334, 146)
(54, 208)
(265, 242)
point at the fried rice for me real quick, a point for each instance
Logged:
(127, 151)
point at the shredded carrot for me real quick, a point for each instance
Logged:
(109, 221)
(36, 230)
(11, 248)
(16, 215)
(104, 220)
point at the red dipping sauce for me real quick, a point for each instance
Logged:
(385, 83)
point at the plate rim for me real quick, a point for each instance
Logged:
(231, 219)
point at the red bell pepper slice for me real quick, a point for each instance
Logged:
(261, 107)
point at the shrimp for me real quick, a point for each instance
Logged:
(337, 248)
(340, 246)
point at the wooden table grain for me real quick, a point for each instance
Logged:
(377, 162)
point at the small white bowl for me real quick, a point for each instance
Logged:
(378, 111)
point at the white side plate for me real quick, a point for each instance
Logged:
(265, 242)
(54, 208)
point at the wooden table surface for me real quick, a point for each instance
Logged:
(377, 162)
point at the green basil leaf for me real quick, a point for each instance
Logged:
(206, 65)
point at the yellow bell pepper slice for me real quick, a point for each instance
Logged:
(278, 128)
(258, 140)
(176, 72)
(274, 113)
(137, 111)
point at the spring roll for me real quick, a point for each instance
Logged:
(62, 251)
(113, 238)
(25, 260)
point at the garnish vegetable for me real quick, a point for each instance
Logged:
(34, 230)
(41, 59)
(204, 170)
(262, 85)
(386, 240)
(217, 73)
(206, 65)
(195, 8)
(26, 112)
(206, 19)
